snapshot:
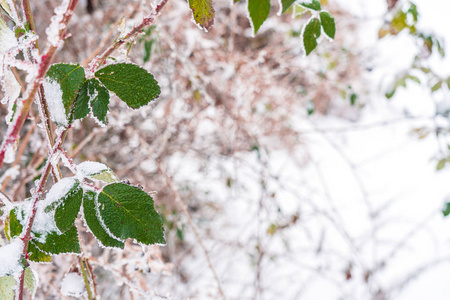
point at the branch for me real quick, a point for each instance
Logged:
(136, 29)
(36, 194)
(13, 131)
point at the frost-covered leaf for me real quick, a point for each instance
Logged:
(128, 212)
(7, 38)
(131, 83)
(14, 226)
(61, 86)
(37, 255)
(11, 87)
(7, 288)
(6, 8)
(95, 96)
(258, 11)
(202, 13)
(314, 4)
(310, 34)
(64, 198)
(285, 4)
(298, 11)
(60, 243)
(15, 229)
(97, 171)
(91, 217)
(31, 281)
(67, 210)
(328, 25)
(11, 258)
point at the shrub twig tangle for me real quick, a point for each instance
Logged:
(114, 211)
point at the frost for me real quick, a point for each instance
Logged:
(89, 168)
(11, 87)
(72, 285)
(59, 190)
(10, 154)
(53, 95)
(44, 223)
(6, 201)
(7, 38)
(53, 30)
(10, 256)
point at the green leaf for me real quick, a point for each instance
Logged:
(128, 212)
(37, 255)
(70, 78)
(259, 11)
(436, 87)
(69, 206)
(60, 243)
(413, 78)
(446, 209)
(285, 4)
(81, 108)
(131, 83)
(31, 281)
(441, 164)
(310, 35)
(314, 5)
(7, 288)
(94, 95)
(97, 171)
(14, 226)
(328, 23)
(91, 217)
(15, 229)
(353, 98)
(203, 13)
(298, 11)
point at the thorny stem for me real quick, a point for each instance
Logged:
(36, 195)
(12, 133)
(42, 102)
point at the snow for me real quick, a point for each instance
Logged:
(10, 256)
(72, 285)
(11, 87)
(53, 95)
(53, 30)
(59, 190)
(44, 223)
(89, 168)
(7, 38)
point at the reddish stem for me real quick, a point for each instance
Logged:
(13, 131)
(36, 195)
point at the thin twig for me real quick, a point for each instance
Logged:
(96, 63)
(183, 208)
